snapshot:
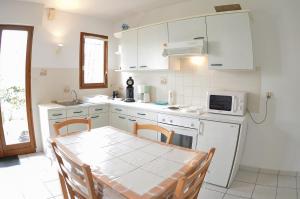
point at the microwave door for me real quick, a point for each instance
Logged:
(221, 103)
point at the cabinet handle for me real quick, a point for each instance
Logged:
(216, 64)
(132, 66)
(117, 109)
(143, 66)
(77, 112)
(59, 114)
(98, 109)
(132, 120)
(121, 117)
(141, 114)
(196, 38)
(95, 117)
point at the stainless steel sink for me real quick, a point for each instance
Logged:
(70, 103)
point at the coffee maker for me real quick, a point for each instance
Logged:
(143, 93)
(129, 90)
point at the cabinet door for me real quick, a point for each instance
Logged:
(129, 50)
(142, 133)
(224, 137)
(153, 135)
(73, 128)
(63, 130)
(151, 42)
(187, 30)
(229, 41)
(99, 120)
(119, 121)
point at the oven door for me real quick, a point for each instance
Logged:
(184, 137)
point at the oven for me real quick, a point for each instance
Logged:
(185, 130)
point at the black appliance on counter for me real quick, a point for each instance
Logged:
(129, 90)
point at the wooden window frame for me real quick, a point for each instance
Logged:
(83, 85)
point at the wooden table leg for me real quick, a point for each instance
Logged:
(63, 186)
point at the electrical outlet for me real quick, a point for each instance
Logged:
(269, 94)
(163, 80)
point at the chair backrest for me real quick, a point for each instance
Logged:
(154, 128)
(188, 187)
(58, 126)
(77, 175)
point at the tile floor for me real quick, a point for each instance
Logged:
(35, 178)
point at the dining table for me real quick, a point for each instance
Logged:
(130, 166)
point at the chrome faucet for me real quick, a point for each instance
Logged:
(75, 97)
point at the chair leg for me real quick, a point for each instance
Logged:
(63, 186)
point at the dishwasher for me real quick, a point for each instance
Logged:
(185, 130)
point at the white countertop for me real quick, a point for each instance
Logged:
(157, 108)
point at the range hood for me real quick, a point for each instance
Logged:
(185, 48)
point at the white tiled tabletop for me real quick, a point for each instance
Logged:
(137, 165)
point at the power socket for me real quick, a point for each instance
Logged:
(269, 94)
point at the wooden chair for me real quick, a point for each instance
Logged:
(75, 177)
(154, 128)
(188, 187)
(60, 125)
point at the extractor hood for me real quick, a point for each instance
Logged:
(185, 48)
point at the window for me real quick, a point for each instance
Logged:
(93, 61)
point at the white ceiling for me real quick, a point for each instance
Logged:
(108, 9)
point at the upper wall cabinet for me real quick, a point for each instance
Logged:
(151, 40)
(129, 50)
(187, 29)
(229, 41)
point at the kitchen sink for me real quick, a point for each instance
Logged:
(70, 103)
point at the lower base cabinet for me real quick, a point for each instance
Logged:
(126, 123)
(224, 137)
(99, 120)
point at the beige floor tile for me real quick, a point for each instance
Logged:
(264, 192)
(287, 181)
(267, 179)
(241, 189)
(246, 176)
(286, 193)
(209, 194)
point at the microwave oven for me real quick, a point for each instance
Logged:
(227, 102)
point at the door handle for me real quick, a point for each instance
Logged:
(216, 64)
(196, 38)
(141, 114)
(98, 109)
(94, 117)
(122, 117)
(77, 112)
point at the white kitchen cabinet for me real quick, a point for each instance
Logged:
(63, 131)
(224, 137)
(151, 40)
(72, 128)
(53, 113)
(187, 29)
(119, 121)
(229, 41)
(99, 120)
(142, 133)
(129, 50)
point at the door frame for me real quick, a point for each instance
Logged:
(29, 147)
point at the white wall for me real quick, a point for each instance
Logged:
(63, 67)
(276, 30)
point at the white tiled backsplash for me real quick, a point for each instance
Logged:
(193, 81)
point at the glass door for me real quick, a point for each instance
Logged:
(16, 127)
